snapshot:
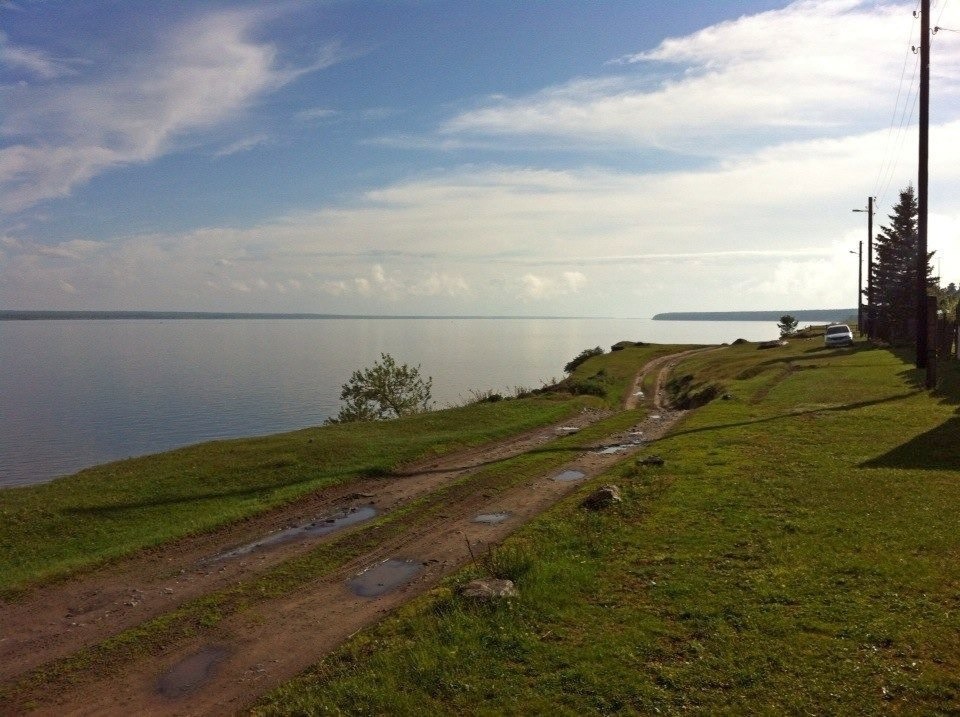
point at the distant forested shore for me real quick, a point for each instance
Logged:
(799, 315)
(28, 315)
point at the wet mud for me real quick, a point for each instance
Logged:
(191, 672)
(570, 475)
(383, 577)
(491, 518)
(316, 528)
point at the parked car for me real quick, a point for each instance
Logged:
(838, 335)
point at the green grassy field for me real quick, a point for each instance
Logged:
(797, 553)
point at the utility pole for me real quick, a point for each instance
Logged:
(860, 288)
(859, 254)
(871, 309)
(922, 324)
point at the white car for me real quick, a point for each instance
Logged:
(838, 335)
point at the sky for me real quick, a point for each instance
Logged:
(462, 157)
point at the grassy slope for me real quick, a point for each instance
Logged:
(71, 524)
(112, 510)
(798, 553)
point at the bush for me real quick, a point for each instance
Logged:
(386, 390)
(581, 357)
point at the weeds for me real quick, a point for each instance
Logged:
(504, 562)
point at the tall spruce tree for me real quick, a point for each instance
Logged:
(895, 271)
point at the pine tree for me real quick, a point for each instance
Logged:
(895, 271)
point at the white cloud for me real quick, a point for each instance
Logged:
(813, 68)
(741, 235)
(768, 224)
(548, 287)
(35, 62)
(243, 145)
(197, 76)
(73, 249)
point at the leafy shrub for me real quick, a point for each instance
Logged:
(385, 390)
(581, 357)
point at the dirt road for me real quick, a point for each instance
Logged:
(256, 649)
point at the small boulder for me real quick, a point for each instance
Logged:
(489, 589)
(651, 461)
(602, 498)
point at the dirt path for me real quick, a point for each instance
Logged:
(59, 619)
(255, 650)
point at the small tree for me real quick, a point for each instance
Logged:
(787, 325)
(384, 391)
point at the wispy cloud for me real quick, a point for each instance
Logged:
(34, 62)
(797, 71)
(744, 233)
(243, 145)
(195, 77)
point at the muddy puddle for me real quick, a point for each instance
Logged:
(610, 450)
(570, 475)
(383, 577)
(191, 672)
(316, 528)
(491, 518)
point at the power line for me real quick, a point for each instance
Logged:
(890, 159)
(893, 157)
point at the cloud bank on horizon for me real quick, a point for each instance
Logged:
(457, 158)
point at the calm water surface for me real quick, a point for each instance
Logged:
(78, 393)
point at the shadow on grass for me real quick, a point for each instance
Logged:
(793, 414)
(937, 449)
(112, 509)
(948, 375)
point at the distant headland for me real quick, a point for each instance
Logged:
(799, 315)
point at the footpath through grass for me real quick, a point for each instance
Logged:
(798, 553)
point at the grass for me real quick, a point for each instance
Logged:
(52, 530)
(798, 553)
(205, 613)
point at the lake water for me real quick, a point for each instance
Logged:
(78, 393)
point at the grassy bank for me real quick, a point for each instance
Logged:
(112, 510)
(103, 513)
(798, 553)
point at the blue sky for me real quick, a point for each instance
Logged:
(571, 157)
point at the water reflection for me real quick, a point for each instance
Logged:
(77, 393)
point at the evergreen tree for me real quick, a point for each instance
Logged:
(895, 271)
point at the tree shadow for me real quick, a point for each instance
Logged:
(113, 509)
(793, 414)
(937, 449)
(822, 352)
(947, 389)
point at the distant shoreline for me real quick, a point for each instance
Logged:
(802, 315)
(27, 315)
(30, 315)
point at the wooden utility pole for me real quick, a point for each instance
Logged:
(871, 321)
(860, 289)
(871, 309)
(922, 325)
